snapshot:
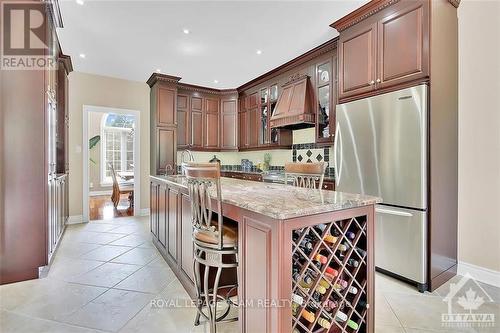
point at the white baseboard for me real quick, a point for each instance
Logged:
(96, 193)
(479, 273)
(75, 219)
(143, 212)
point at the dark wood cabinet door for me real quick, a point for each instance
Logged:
(253, 128)
(357, 60)
(196, 129)
(211, 105)
(162, 215)
(166, 114)
(243, 129)
(166, 147)
(402, 36)
(153, 216)
(183, 127)
(211, 130)
(186, 256)
(229, 124)
(172, 223)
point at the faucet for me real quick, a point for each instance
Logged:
(190, 155)
(168, 168)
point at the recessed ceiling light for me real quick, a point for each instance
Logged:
(80, 2)
(186, 31)
(216, 81)
(82, 55)
(259, 52)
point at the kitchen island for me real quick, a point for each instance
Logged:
(313, 244)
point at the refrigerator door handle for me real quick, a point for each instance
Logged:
(392, 212)
(337, 170)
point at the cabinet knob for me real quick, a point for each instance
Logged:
(378, 81)
(372, 83)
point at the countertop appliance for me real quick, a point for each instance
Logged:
(381, 149)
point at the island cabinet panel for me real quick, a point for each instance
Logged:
(166, 106)
(257, 274)
(153, 216)
(403, 45)
(172, 228)
(162, 215)
(166, 148)
(186, 246)
(357, 58)
(183, 126)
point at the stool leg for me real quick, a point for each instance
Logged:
(211, 315)
(197, 284)
(216, 287)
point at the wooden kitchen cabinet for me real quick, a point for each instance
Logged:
(386, 50)
(165, 107)
(253, 127)
(243, 139)
(183, 126)
(403, 38)
(211, 123)
(326, 94)
(186, 231)
(172, 211)
(154, 189)
(357, 60)
(229, 124)
(162, 216)
(166, 138)
(163, 123)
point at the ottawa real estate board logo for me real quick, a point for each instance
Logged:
(24, 36)
(467, 305)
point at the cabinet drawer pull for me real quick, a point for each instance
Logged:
(378, 81)
(372, 83)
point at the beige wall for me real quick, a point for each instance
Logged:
(479, 134)
(88, 89)
(94, 129)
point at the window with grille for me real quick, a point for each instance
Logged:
(117, 133)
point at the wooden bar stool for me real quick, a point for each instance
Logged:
(306, 174)
(215, 243)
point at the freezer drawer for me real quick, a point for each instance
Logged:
(401, 242)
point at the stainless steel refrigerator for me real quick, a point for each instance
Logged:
(381, 149)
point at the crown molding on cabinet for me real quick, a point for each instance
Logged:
(155, 77)
(368, 10)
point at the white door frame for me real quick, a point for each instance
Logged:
(137, 158)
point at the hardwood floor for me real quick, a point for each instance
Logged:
(101, 207)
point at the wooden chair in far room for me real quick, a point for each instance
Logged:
(117, 192)
(306, 174)
(215, 240)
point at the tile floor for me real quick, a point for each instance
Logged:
(108, 277)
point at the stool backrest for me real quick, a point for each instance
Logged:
(305, 174)
(203, 179)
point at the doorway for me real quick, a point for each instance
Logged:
(111, 163)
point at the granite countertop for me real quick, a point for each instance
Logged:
(279, 201)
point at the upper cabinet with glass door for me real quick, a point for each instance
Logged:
(273, 98)
(264, 117)
(325, 80)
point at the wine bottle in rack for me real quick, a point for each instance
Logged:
(324, 323)
(319, 228)
(331, 272)
(308, 314)
(330, 239)
(353, 262)
(306, 243)
(321, 258)
(329, 305)
(350, 235)
(361, 252)
(297, 299)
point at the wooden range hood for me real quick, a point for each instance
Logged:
(294, 107)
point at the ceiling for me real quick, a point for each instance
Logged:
(132, 39)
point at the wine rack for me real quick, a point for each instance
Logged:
(329, 277)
